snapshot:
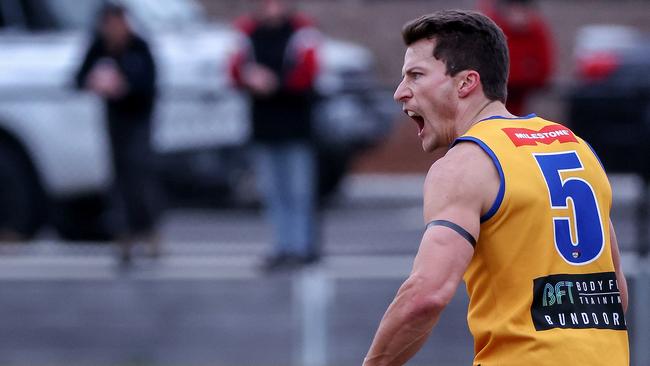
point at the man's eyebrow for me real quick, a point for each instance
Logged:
(417, 67)
(411, 70)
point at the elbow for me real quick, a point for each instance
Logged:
(424, 309)
(429, 305)
(424, 302)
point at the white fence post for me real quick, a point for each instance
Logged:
(312, 291)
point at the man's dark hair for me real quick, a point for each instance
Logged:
(465, 40)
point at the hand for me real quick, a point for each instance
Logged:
(107, 81)
(260, 79)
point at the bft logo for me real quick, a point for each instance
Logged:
(558, 293)
(547, 135)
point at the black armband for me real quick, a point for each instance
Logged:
(462, 232)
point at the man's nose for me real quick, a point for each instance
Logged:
(402, 92)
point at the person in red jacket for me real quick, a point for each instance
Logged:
(530, 46)
(277, 66)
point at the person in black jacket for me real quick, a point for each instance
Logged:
(119, 67)
(277, 66)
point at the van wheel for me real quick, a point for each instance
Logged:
(22, 204)
(83, 218)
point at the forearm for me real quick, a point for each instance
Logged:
(403, 330)
(90, 58)
(376, 358)
(81, 76)
(304, 74)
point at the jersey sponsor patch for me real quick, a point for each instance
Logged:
(547, 135)
(577, 301)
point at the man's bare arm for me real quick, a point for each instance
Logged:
(420, 300)
(616, 257)
(458, 188)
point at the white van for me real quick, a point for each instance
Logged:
(54, 162)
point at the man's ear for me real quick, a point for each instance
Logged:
(469, 80)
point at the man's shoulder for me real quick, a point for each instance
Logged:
(460, 185)
(462, 164)
(464, 152)
(464, 175)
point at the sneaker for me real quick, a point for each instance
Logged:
(125, 248)
(278, 262)
(308, 259)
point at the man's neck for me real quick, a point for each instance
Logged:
(481, 111)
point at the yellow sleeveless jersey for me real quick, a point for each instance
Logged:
(541, 282)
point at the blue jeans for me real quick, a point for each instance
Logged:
(286, 176)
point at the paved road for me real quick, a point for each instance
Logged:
(206, 303)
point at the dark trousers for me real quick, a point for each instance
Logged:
(135, 188)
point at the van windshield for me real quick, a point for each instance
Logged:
(73, 14)
(160, 14)
(152, 14)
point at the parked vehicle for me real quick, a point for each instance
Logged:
(54, 162)
(610, 104)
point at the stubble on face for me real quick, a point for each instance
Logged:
(427, 95)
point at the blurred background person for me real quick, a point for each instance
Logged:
(278, 66)
(119, 67)
(530, 45)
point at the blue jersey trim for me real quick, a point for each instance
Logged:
(502, 186)
(532, 115)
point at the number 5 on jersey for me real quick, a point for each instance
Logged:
(590, 239)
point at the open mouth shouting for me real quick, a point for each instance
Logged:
(418, 120)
